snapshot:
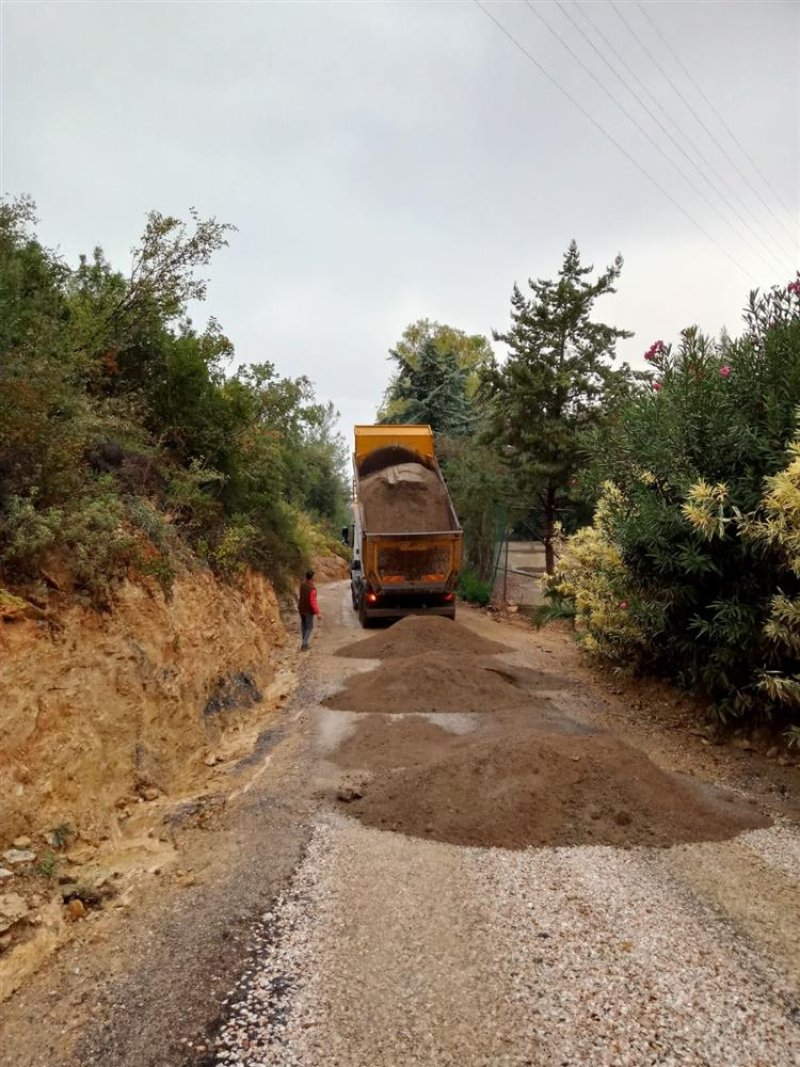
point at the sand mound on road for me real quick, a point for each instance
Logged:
(421, 633)
(405, 498)
(437, 682)
(557, 789)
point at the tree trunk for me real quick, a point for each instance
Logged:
(550, 528)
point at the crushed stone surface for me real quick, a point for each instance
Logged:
(389, 951)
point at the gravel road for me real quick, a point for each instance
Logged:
(389, 950)
(307, 938)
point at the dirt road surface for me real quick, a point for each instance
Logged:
(350, 906)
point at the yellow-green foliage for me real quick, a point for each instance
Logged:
(591, 573)
(777, 525)
(778, 519)
(705, 509)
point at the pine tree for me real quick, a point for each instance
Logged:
(432, 389)
(556, 382)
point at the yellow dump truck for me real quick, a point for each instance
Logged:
(406, 538)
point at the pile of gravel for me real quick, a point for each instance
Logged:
(422, 633)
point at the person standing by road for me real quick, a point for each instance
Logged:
(308, 607)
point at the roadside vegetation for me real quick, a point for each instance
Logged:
(691, 567)
(130, 444)
(668, 501)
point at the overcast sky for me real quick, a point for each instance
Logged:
(385, 162)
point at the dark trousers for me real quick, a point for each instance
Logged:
(306, 626)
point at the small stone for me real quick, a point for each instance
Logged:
(14, 856)
(76, 909)
(151, 793)
(22, 842)
(212, 761)
(744, 744)
(623, 818)
(348, 793)
(5, 873)
(784, 762)
(772, 752)
(12, 909)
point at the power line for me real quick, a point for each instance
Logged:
(565, 92)
(697, 117)
(564, 8)
(654, 142)
(717, 115)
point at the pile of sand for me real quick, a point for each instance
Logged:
(435, 682)
(421, 633)
(405, 498)
(549, 789)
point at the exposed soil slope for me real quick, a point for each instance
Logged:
(111, 704)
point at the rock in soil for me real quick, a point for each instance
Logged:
(14, 856)
(12, 909)
(76, 909)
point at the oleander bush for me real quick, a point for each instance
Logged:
(691, 568)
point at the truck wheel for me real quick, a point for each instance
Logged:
(363, 618)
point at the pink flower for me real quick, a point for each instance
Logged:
(655, 350)
(793, 287)
(657, 386)
(725, 371)
(624, 605)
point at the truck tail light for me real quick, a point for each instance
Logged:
(372, 598)
(449, 596)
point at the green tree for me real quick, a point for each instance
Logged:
(437, 376)
(556, 383)
(432, 390)
(123, 441)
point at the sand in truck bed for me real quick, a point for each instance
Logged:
(405, 498)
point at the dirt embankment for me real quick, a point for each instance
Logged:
(111, 705)
(107, 716)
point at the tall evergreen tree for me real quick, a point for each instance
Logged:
(430, 388)
(556, 382)
(436, 360)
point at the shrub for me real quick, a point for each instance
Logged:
(123, 443)
(474, 589)
(697, 530)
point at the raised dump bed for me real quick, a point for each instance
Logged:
(406, 538)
